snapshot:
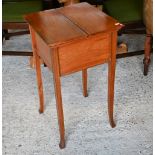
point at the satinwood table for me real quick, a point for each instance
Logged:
(71, 39)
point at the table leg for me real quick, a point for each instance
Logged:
(57, 86)
(84, 81)
(111, 80)
(40, 85)
(111, 76)
(38, 71)
(147, 53)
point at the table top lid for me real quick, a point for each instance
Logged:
(61, 25)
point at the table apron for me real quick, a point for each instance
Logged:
(84, 54)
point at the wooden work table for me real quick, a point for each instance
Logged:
(71, 39)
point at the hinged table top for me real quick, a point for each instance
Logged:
(73, 22)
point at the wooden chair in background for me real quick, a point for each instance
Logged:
(136, 15)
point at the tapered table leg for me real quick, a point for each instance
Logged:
(147, 53)
(111, 74)
(38, 71)
(40, 85)
(84, 81)
(57, 86)
(111, 80)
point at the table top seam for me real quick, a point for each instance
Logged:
(74, 23)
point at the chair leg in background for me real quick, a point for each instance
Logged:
(147, 53)
(6, 34)
(84, 81)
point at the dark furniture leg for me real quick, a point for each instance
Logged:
(5, 31)
(147, 53)
(84, 81)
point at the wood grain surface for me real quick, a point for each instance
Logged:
(71, 39)
(83, 54)
(70, 23)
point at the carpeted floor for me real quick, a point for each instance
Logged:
(26, 132)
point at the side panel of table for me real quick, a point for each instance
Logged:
(44, 51)
(84, 54)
